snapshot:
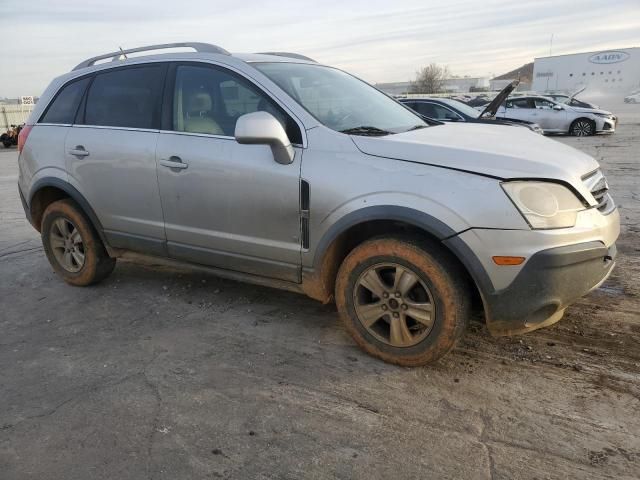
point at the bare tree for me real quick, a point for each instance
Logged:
(430, 79)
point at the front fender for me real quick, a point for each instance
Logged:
(344, 222)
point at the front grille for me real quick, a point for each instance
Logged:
(599, 188)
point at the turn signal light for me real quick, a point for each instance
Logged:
(508, 260)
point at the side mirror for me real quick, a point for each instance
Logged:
(558, 107)
(262, 128)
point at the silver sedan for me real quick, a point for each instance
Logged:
(554, 117)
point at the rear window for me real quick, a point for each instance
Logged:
(126, 98)
(65, 105)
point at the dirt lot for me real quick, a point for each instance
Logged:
(170, 374)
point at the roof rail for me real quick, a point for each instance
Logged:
(288, 54)
(114, 56)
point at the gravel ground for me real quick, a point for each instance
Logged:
(171, 373)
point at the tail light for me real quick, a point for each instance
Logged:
(22, 137)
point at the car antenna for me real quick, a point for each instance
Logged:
(123, 54)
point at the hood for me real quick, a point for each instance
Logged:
(493, 150)
(589, 110)
(491, 109)
(576, 93)
(573, 96)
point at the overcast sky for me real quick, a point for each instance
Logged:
(380, 41)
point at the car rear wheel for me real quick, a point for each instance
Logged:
(403, 301)
(72, 245)
(582, 127)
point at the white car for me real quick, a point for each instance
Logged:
(555, 117)
(633, 98)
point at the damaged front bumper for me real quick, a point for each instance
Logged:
(550, 281)
(561, 266)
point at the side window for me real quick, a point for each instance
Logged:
(426, 109)
(128, 97)
(65, 105)
(520, 103)
(210, 100)
(443, 113)
(543, 104)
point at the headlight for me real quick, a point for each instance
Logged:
(544, 204)
(604, 115)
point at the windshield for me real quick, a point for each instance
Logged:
(339, 100)
(462, 107)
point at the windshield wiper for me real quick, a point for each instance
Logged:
(417, 127)
(366, 131)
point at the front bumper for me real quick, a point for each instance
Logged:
(606, 125)
(550, 281)
(561, 266)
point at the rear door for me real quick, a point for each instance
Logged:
(110, 154)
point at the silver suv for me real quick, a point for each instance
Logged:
(273, 169)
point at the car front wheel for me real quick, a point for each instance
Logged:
(582, 128)
(402, 300)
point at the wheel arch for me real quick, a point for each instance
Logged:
(318, 281)
(50, 189)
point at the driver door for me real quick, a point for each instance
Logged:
(225, 204)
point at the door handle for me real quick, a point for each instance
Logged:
(173, 162)
(79, 151)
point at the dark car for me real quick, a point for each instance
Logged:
(449, 110)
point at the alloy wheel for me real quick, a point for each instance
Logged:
(582, 128)
(394, 304)
(67, 245)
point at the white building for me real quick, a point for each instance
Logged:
(394, 88)
(451, 85)
(609, 71)
(466, 84)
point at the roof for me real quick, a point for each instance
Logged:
(588, 53)
(203, 50)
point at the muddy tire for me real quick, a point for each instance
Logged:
(72, 245)
(403, 300)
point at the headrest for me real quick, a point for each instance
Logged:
(199, 102)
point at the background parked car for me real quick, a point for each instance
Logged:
(555, 117)
(449, 110)
(633, 98)
(571, 99)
